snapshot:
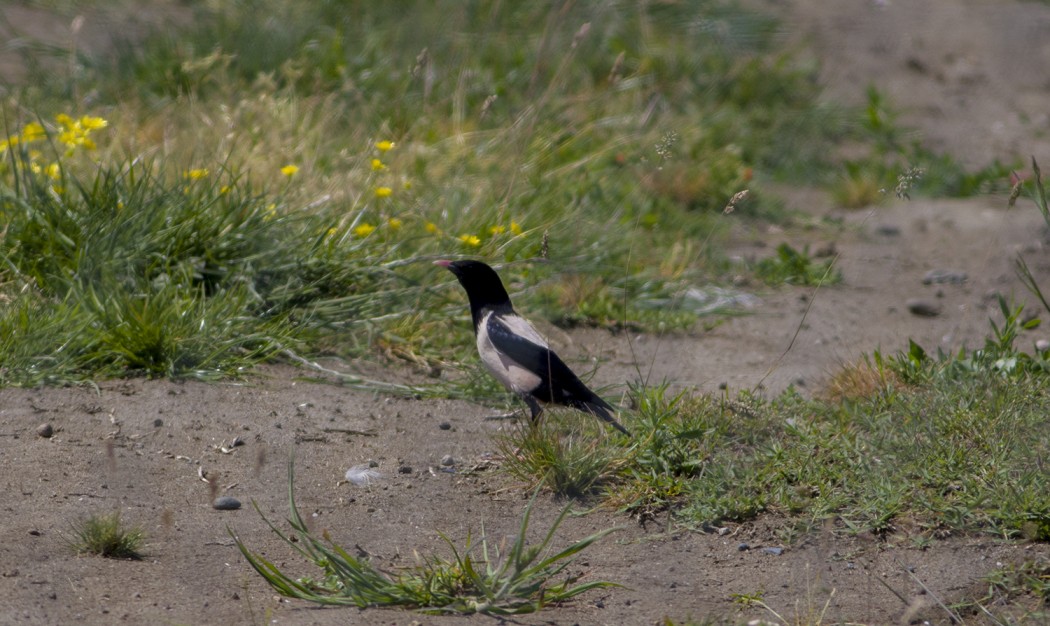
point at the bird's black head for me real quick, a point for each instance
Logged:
(484, 288)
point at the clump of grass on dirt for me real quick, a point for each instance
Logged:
(480, 578)
(1016, 593)
(106, 536)
(932, 448)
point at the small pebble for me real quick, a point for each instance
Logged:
(743, 547)
(888, 230)
(1042, 345)
(447, 460)
(404, 469)
(773, 551)
(445, 426)
(35, 532)
(45, 431)
(922, 308)
(941, 277)
(226, 503)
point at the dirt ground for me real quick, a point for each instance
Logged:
(971, 77)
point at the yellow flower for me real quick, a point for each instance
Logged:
(271, 212)
(383, 192)
(13, 140)
(331, 231)
(498, 229)
(65, 120)
(364, 230)
(394, 223)
(377, 165)
(33, 131)
(225, 189)
(431, 228)
(35, 168)
(69, 137)
(53, 171)
(471, 240)
(289, 170)
(197, 174)
(515, 228)
(384, 146)
(93, 123)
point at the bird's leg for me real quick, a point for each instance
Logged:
(515, 414)
(534, 407)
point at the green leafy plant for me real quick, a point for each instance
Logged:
(796, 268)
(480, 578)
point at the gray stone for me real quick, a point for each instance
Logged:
(226, 503)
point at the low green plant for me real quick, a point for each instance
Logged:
(565, 451)
(796, 267)
(1017, 593)
(106, 536)
(479, 578)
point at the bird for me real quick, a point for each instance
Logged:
(516, 354)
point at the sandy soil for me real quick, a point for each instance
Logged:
(971, 76)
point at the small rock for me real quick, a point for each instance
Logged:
(35, 532)
(157, 423)
(45, 431)
(447, 460)
(922, 308)
(888, 230)
(1042, 345)
(445, 426)
(743, 547)
(773, 551)
(226, 503)
(940, 277)
(404, 469)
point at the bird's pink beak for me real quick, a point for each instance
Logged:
(444, 264)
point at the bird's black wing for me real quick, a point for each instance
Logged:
(558, 383)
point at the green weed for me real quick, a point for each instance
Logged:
(480, 578)
(105, 535)
(796, 267)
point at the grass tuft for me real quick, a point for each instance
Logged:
(106, 536)
(479, 578)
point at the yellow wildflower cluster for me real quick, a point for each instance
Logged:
(70, 132)
(474, 241)
(76, 133)
(382, 191)
(73, 133)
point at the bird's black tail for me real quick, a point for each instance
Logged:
(601, 409)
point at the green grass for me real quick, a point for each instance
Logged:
(924, 449)
(1016, 594)
(107, 536)
(589, 150)
(479, 578)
